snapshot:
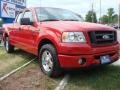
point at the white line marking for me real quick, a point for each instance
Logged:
(117, 63)
(63, 83)
(15, 70)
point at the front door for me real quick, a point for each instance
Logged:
(26, 32)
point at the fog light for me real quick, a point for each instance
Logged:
(82, 61)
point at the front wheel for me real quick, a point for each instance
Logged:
(49, 61)
(8, 47)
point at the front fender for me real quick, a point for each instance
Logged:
(54, 37)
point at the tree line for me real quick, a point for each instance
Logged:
(109, 18)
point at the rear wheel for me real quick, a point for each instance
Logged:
(8, 47)
(49, 61)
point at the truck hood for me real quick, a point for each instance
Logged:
(74, 26)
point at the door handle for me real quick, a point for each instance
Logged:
(35, 30)
(38, 30)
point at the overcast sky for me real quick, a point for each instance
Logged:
(79, 6)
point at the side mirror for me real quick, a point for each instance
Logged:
(25, 21)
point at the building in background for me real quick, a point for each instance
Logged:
(10, 8)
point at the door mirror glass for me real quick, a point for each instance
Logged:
(26, 21)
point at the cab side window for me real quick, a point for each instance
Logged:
(28, 14)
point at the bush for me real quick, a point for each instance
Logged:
(1, 22)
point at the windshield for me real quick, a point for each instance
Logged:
(56, 14)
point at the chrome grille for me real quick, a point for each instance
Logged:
(102, 37)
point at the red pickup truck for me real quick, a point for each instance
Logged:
(61, 39)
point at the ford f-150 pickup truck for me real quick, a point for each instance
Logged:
(61, 39)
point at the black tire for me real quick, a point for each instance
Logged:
(55, 70)
(8, 47)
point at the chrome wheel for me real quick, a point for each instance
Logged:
(47, 61)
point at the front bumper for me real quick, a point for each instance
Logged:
(72, 61)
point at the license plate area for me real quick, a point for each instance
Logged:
(105, 59)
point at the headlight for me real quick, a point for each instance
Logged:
(73, 37)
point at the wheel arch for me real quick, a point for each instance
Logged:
(5, 34)
(46, 41)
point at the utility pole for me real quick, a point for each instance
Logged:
(100, 10)
(92, 12)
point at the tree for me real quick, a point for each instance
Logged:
(104, 19)
(1, 22)
(91, 17)
(115, 18)
(110, 17)
(110, 14)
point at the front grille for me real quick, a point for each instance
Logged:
(102, 37)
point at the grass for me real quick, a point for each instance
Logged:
(31, 75)
(9, 62)
(39, 79)
(105, 78)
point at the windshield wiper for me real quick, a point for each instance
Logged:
(59, 20)
(50, 20)
(70, 20)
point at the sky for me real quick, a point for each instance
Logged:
(78, 6)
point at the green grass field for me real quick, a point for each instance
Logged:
(105, 78)
(9, 62)
(30, 77)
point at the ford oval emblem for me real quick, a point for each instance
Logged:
(106, 37)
